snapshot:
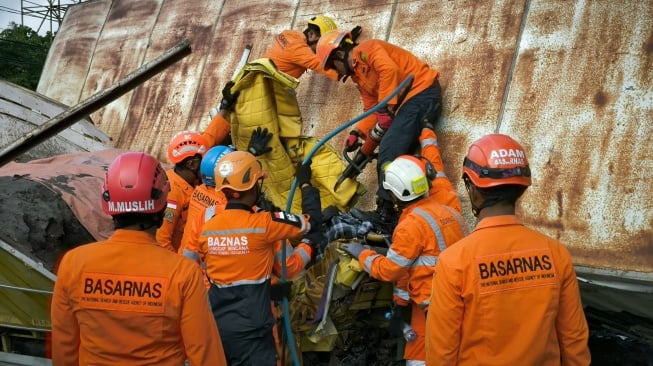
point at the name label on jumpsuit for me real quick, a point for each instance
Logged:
(145, 294)
(513, 270)
(228, 245)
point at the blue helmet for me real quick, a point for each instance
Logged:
(209, 161)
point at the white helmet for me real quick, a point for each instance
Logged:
(405, 177)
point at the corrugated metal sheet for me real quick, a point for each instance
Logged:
(25, 289)
(22, 111)
(570, 80)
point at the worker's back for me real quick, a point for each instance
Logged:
(127, 297)
(518, 287)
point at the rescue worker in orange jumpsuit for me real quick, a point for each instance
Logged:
(212, 201)
(425, 229)
(293, 52)
(505, 294)
(185, 151)
(377, 68)
(297, 257)
(204, 195)
(238, 245)
(126, 300)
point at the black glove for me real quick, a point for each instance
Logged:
(228, 99)
(355, 32)
(280, 290)
(315, 238)
(258, 143)
(303, 173)
(266, 205)
(329, 212)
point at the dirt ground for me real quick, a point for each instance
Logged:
(37, 221)
(39, 224)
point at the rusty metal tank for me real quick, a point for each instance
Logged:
(571, 81)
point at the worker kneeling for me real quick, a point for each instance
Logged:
(425, 228)
(238, 247)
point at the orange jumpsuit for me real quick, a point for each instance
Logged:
(174, 219)
(425, 229)
(126, 301)
(169, 235)
(379, 68)
(293, 56)
(441, 186)
(238, 247)
(203, 196)
(506, 295)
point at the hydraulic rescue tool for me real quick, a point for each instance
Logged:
(366, 150)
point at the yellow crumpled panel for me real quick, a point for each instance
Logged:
(327, 165)
(267, 100)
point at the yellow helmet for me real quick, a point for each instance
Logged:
(323, 23)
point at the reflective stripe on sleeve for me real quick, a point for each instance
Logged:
(434, 226)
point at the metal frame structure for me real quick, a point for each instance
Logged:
(53, 11)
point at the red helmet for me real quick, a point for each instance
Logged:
(238, 171)
(329, 42)
(495, 160)
(135, 183)
(186, 144)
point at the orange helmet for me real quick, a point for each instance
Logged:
(135, 183)
(496, 159)
(329, 42)
(186, 144)
(238, 171)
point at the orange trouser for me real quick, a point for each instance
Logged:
(417, 350)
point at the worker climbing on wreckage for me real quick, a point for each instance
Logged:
(377, 68)
(127, 301)
(429, 222)
(238, 247)
(506, 294)
(293, 52)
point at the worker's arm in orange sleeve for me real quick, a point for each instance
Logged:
(571, 323)
(441, 186)
(366, 124)
(388, 72)
(171, 216)
(400, 294)
(388, 81)
(188, 247)
(65, 329)
(198, 329)
(401, 255)
(430, 150)
(296, 258)
(218, 130)
(445, 316)
(301, 54)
